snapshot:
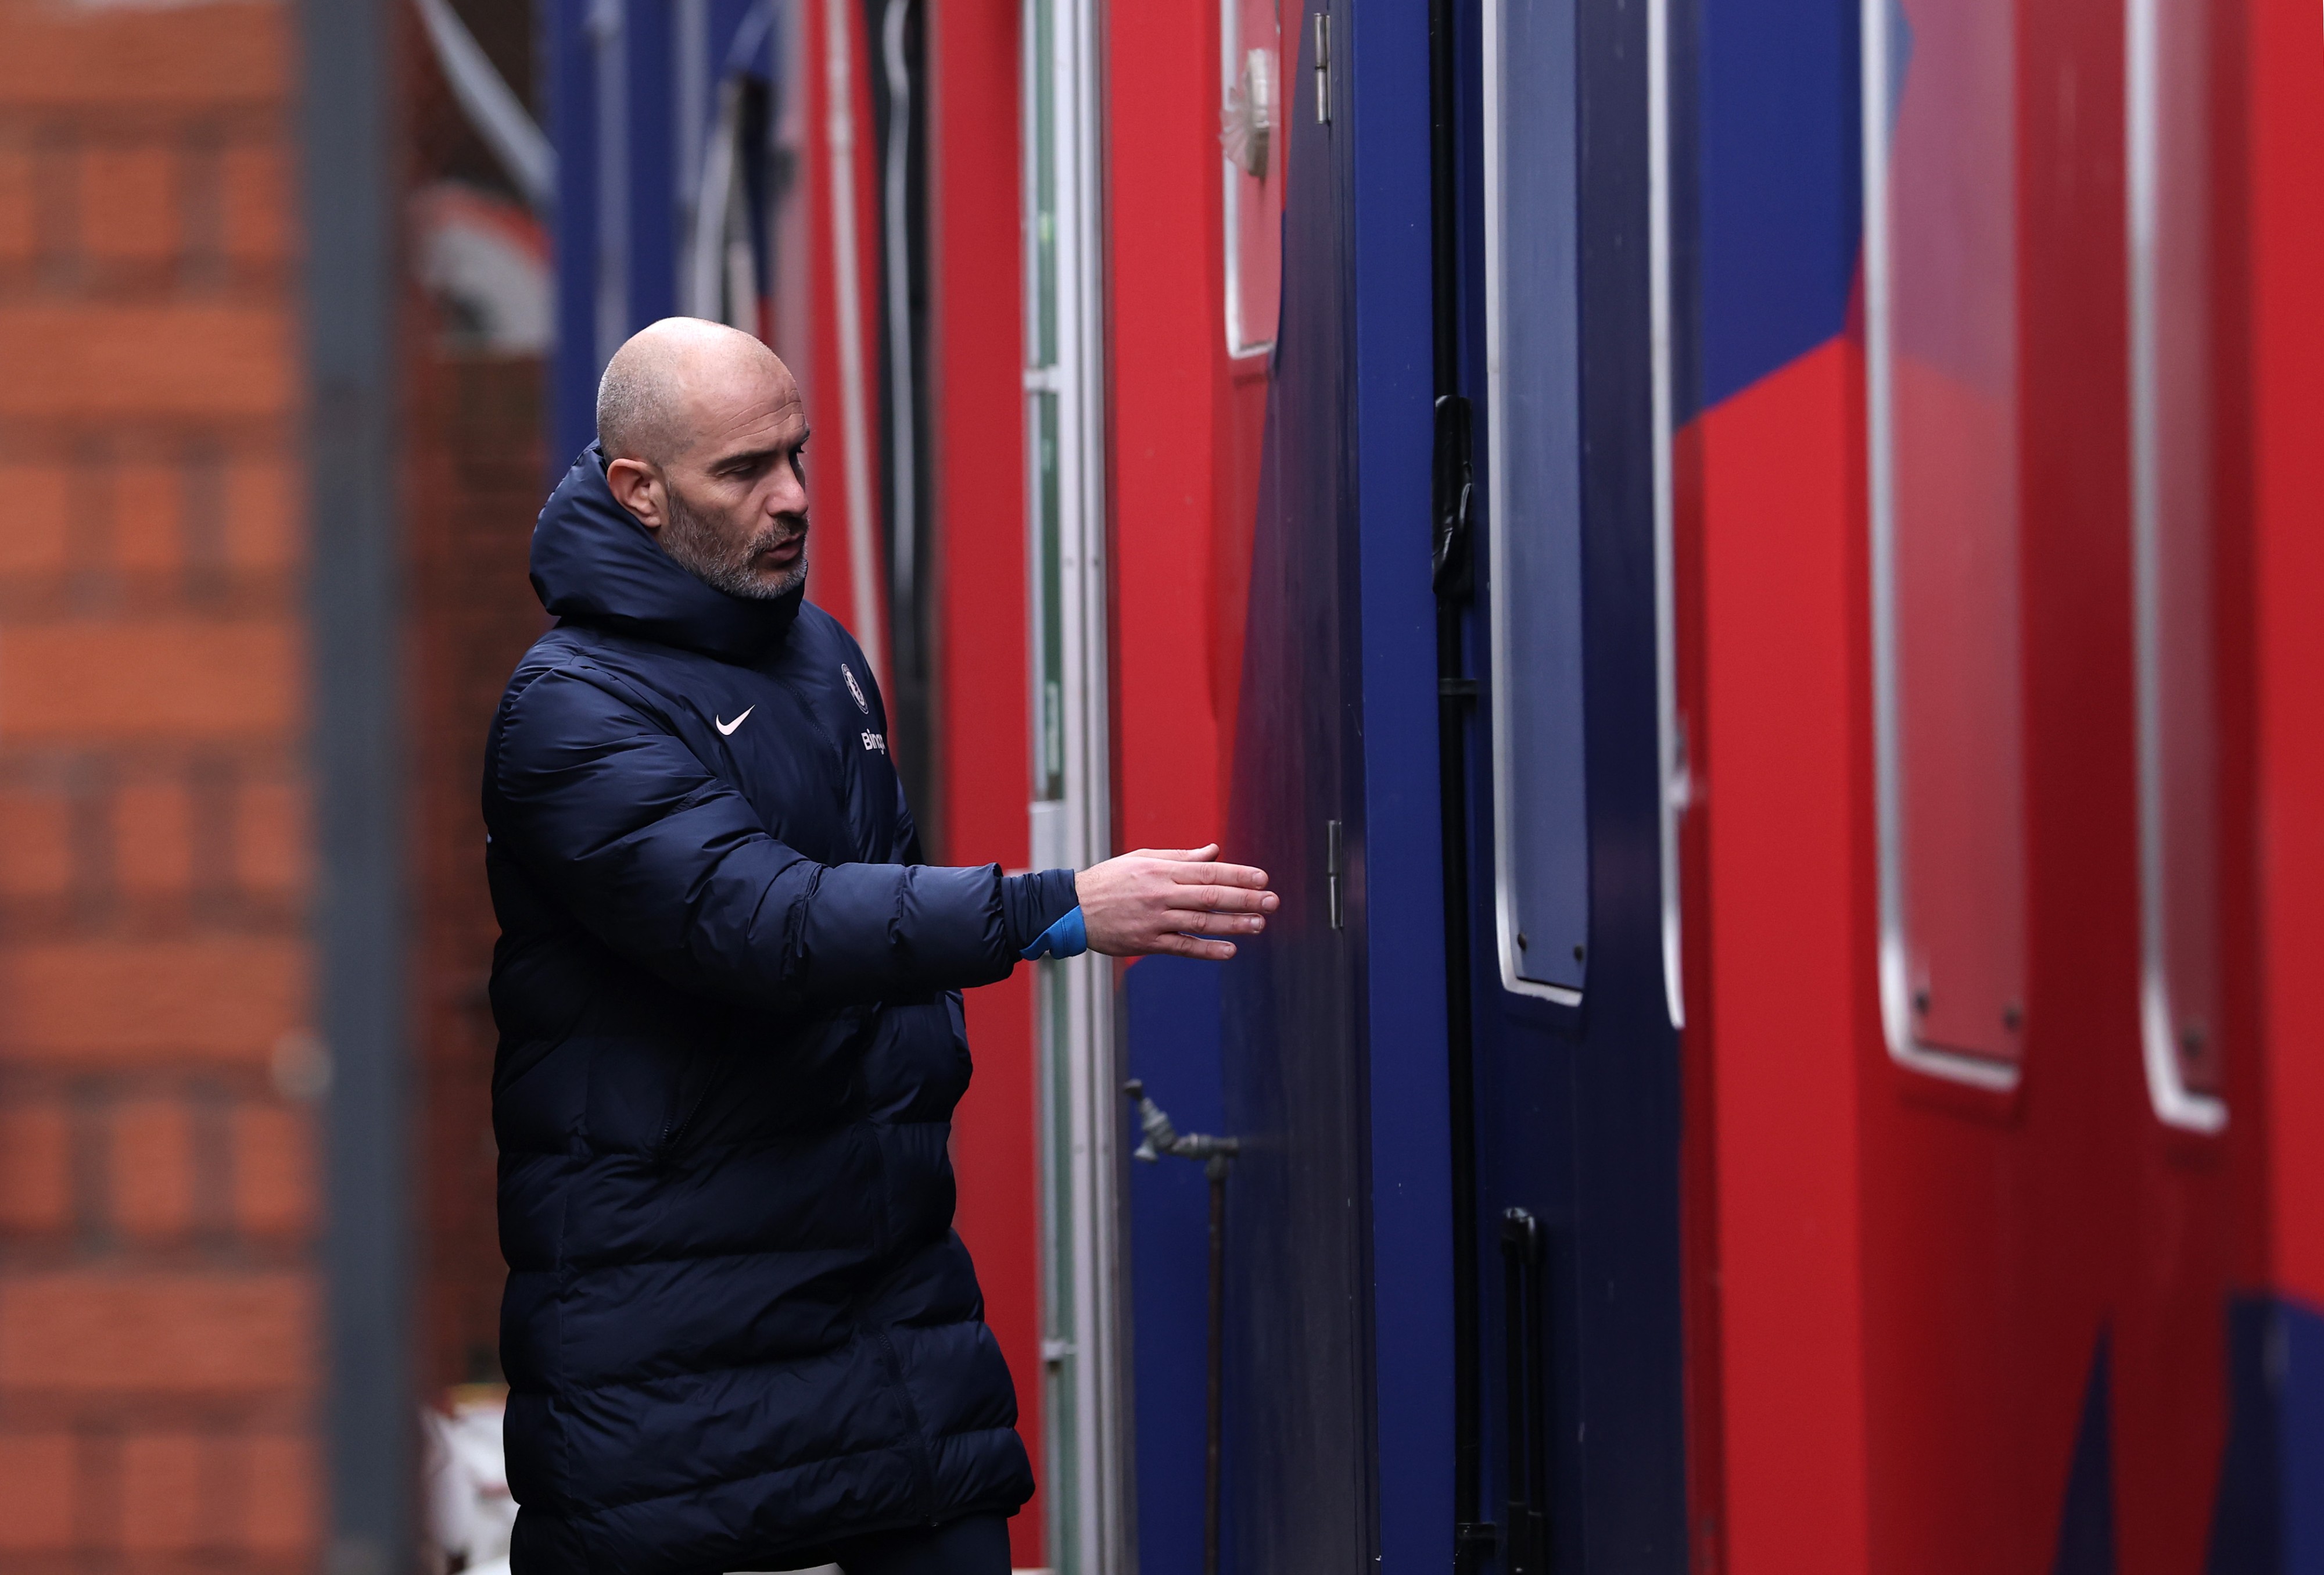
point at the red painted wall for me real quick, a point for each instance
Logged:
(982, 675)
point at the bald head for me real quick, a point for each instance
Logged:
(702, 430)
(677, 378)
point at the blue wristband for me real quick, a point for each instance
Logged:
(1068, 936)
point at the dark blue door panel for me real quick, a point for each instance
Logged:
(1298, 1410)
(1331, 1049)
(1579, 1103)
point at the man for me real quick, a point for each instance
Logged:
(740, 1332)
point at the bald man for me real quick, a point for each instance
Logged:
(740, 1332)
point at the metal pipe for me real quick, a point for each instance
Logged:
(1160, 1136)
(1215, 1420)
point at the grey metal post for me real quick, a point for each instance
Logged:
(347, 131)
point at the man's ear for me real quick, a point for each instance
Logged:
(638, 487)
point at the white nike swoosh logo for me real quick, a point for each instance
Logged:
(728, 727)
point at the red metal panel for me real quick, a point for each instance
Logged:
(2286, 152)
(1187, 426)
(982, 674)
(1787, 849)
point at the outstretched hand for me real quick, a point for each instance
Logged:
(1168, 900)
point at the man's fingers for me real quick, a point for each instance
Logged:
(1189, 946)
(1220, 874)
(1178, 855)
(1221, 899)
(1207, 924)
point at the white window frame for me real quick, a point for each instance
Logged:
(1084, 1347)
(2175, 1104)
(1896, 1016)
(1674, 775)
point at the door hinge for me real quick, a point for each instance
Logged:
(1333, 871)
(1322, 68)
(1454, 494)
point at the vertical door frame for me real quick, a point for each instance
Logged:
(1083, 1387)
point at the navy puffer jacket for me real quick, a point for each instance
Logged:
(738, 1321)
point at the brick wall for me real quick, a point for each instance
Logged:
(474, 466)
(157, 1299)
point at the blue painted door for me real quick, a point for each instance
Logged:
(1576, 1179)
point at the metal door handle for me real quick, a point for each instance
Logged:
(1527, 1397)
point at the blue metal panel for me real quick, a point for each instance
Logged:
(1299, 1364)
(1171, 1006)
(571, 77)
(1781, 212)
(1341, 1376)
(2268, 1518)
(646, 160)
(1397, 907)
(1579, 1106)
(655, 192)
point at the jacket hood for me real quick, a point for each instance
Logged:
(594, 563)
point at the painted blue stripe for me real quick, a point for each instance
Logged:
(1386, 50)
(1781, 204)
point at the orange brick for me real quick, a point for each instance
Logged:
(282, 1497)
(257, 198)
(272, 851)
(153, 678)
(274, 1181)
(154, 1168)
(18, 231)
(148, 518)
(193, 55)
(154, 837)
(91, 1331)
(134, 1003)
(36, 1170)
(187, 360)
(163, 1507)
(35, 507)
(36, 1493)
(129, 204)
(35, 844)
(262, 515)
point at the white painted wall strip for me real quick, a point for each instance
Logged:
(855, 430)
(904, 486)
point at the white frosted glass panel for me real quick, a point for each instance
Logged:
(1942, 377)
(1534, 499)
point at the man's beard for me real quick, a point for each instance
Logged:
(693, 542)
